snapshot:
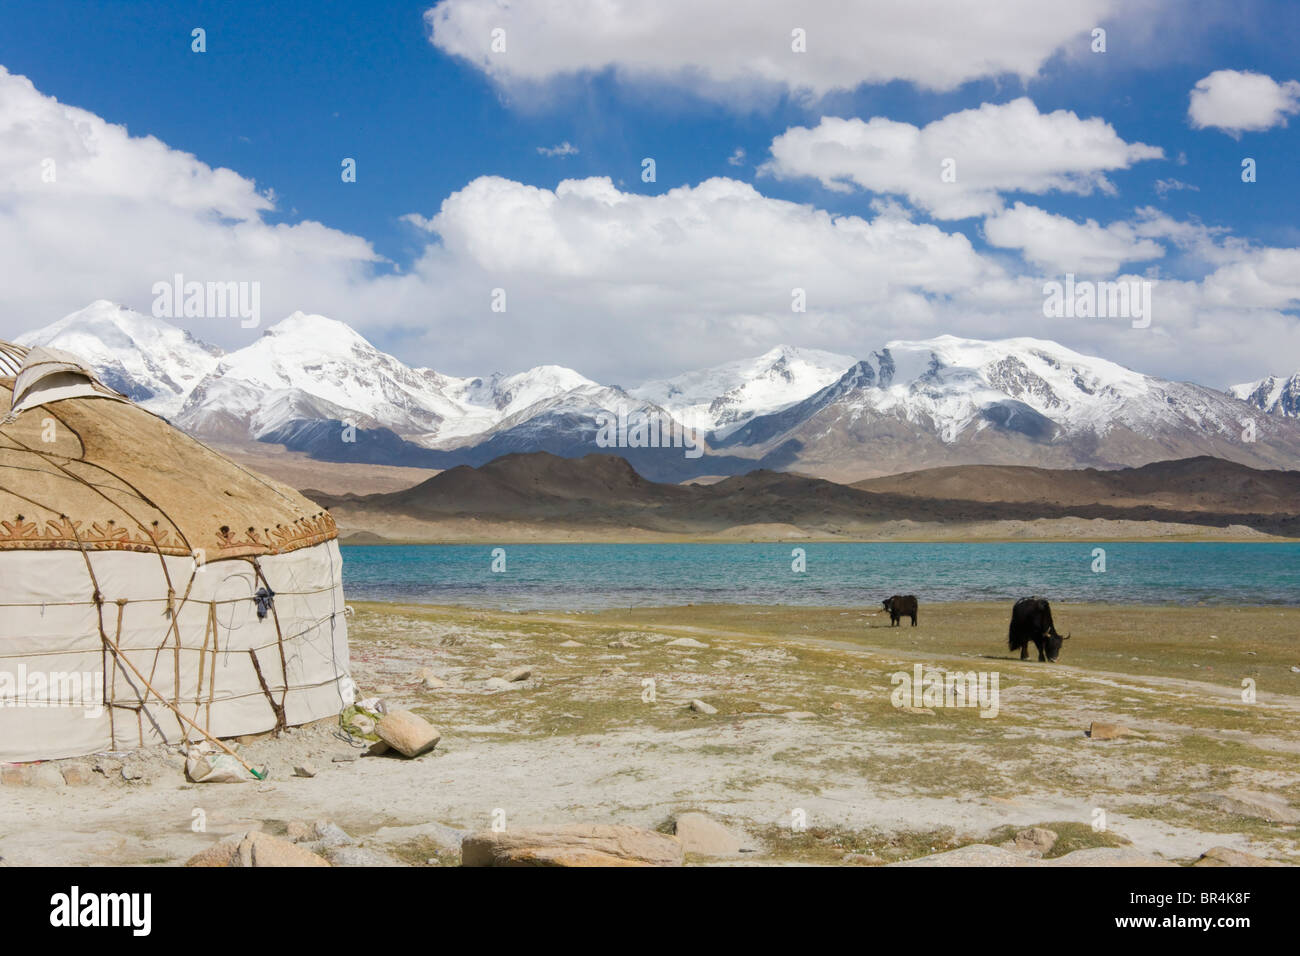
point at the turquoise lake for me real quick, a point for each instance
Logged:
(595, 576)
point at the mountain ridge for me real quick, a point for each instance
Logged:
(315, 385)
(601, 492)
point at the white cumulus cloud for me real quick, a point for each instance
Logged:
(1059, 244)
(712, 46)
(88, 211)
(959, 166)
(1237, 102)
(620, 285)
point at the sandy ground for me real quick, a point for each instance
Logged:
(580, 741)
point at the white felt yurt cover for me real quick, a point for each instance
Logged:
(131, 561)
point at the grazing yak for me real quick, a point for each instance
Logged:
(900, 605)
(1031, 620)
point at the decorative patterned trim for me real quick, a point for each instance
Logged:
(303, 533)
(22, 534)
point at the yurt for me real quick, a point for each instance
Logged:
(151, 590)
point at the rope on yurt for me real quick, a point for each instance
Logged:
(334, 655)
(203, 660)
(117, 651)
(216, 649)
(98, 598)
(177, 711)
(277, 709)
(279, 641)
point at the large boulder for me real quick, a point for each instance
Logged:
(578, 844)
(702, 835)
(407, 733)
(255, 849)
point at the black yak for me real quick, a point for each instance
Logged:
(1031, 620)
(900, 605)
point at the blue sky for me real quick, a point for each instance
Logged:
(285, 91)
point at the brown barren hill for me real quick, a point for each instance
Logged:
(604, 493)
(1188, 484)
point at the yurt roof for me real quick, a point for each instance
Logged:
(82, 467)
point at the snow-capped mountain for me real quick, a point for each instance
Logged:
(149, 360)
(308, 381)
(1274, 395)
(312, 362)
(489, 403)
(308, 377)
(950, 400)
(723, 398)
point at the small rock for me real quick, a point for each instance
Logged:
(348, 758)
(1036, 838)
(685, 642)
(447, 839)
(917, 710)
(498, 683)
(132, 772)
(517, 674)
(1098, 730)
(798, 714)
(571, 845)
(614, 671)
(77, 774)
(305, 770)
(331, 834)
(700, 707)
(13, 775)
(358, 856)
(570, 644)
(407, 733)
(772, 708)
(431, 681)
(299, 830)
(702, 835)
(46, 776)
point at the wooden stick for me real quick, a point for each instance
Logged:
(117, 651)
